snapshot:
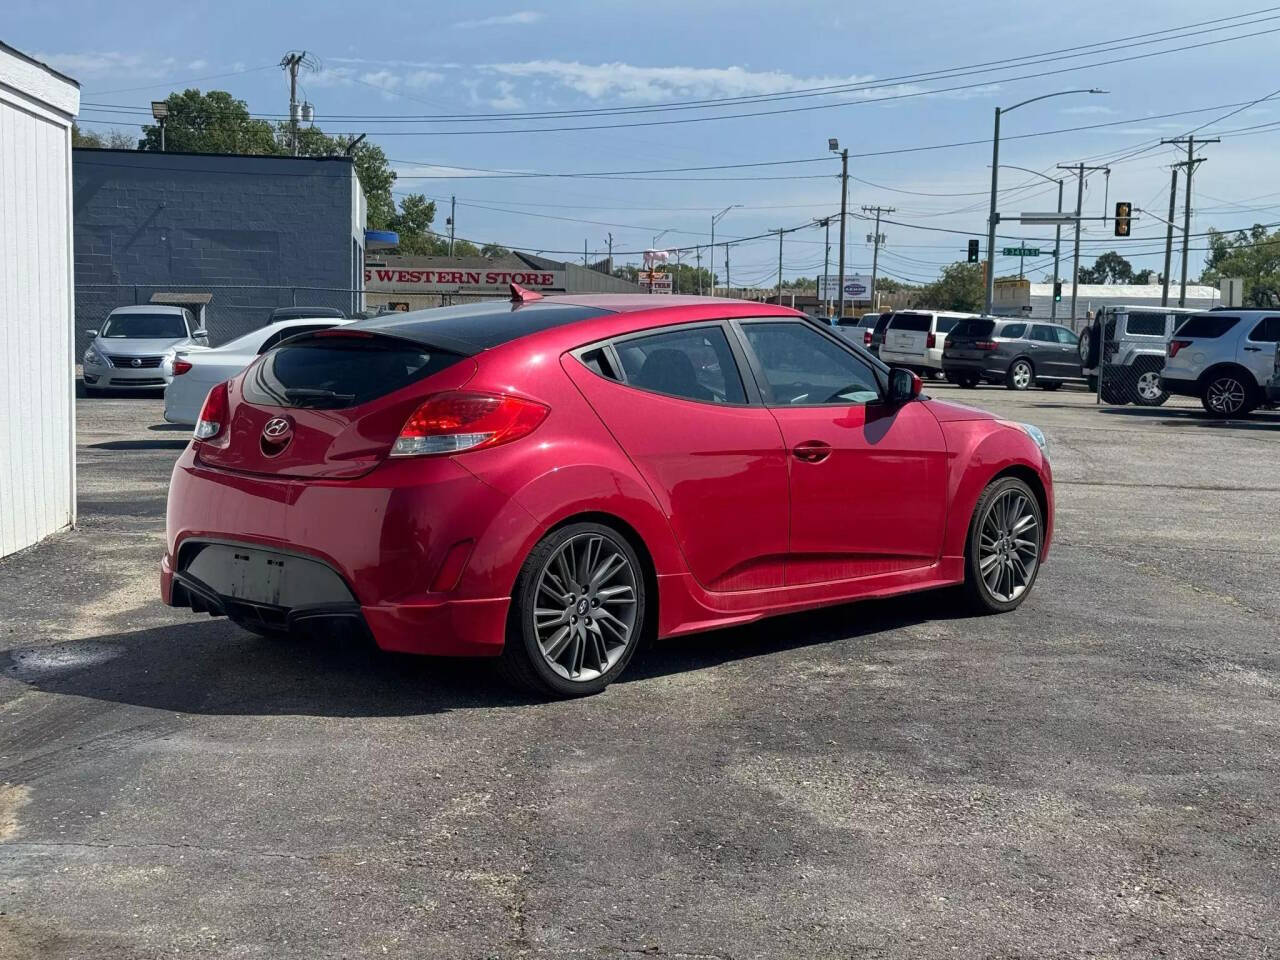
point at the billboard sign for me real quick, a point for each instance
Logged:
(856, 288)
(657, 281)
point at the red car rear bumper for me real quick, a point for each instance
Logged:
(428, 562)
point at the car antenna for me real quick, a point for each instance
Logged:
(520, 295)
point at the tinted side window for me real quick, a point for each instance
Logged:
(1267, 330)
(803, 367)
(1043, 334)
(694, 364)
(947, 324)
(974, 328)
(1066, 336)
(1207, 325)
(1146, 324)
(1013, 331)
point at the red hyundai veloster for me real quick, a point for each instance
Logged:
(551, 480)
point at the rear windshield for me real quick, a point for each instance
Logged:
(912, 321)
(973, 328)
(144, 326)
(1207, 325)
(334, 372)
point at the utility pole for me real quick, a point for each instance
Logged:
(844, 215)
(1057, 249)
(728, 291)
(826, 263)
(675, 281)
(1190, 163)
(779, 232)
(1080, 170)
(291, 62)
(1168, 235)
(875, 253)
(584, 251)
(697, 252)
(453, 221)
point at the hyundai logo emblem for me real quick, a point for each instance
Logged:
(278, 429)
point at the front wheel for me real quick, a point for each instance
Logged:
(1002, 556)
(1226, 395)
(1020, 376)
(577, 613)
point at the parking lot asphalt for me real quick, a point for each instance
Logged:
(1093, 775)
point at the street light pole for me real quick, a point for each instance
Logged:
(844, 207)
(715, 218)
(994, 217)
(1057, 232)
(826, 263)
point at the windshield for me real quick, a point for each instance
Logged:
(973, 328)
(144, 326)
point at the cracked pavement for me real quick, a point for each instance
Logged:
(1093, 775)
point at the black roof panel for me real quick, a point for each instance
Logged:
(472, 327)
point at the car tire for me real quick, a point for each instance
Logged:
(1093, 383)
(968, 383)
(1226, 393)
(1114, 395)
(592, 651)
(1000, 514)
(1148, 392)
(1021, 375)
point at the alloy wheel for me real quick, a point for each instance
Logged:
(585, 607)
(1021, 375)
(1226, 396)
(1148, 386)
(1009, 545)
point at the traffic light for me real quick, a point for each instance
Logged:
(973, 251)
(1057, 292)
(1124, 211)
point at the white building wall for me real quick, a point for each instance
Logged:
(37, 393)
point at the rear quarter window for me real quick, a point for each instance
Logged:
(912, 321)
(1208, 326)
(1146, 324)
(947, 324)
(1013, 331)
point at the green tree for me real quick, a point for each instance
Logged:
(213, 122)
(1109, 267)
(372, 169)
(959, 288)
(111, 140)
(413, 223)
(494, 251)
(1252, 255)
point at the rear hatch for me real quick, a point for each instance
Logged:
(1193, 346)
(908, 334)
(964, 337)
(343, 396)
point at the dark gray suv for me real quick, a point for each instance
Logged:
(1021, 354)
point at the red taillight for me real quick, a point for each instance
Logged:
(866, 339)
(931, 341)
(1176, 345)
(456, 421)
(211, 428)
(180, 367)
(986, 345)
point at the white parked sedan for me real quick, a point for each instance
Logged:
(129, 350)
(194, 372)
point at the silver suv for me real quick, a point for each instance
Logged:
(1135, 341)
(1224, 357)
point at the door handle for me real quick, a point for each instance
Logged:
(1253, 349)
(811, 451)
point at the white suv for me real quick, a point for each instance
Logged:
(1136, 341)
(916, 338)
(1224, 357)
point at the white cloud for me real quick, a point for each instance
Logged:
(197, 64)
(383, 79)
(506, 98)
(434, 170)
(423, 78)
(505, 20)
(107, 62)
(626, 81)
(1091, 110)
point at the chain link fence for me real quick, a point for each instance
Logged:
(1123, 354)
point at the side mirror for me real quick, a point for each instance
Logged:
(199, 333)
(91, 334)
(904, 386)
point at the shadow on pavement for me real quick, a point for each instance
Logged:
(1259, 420)
(213, 667)
(140, 445)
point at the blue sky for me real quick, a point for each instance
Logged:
(452, 59)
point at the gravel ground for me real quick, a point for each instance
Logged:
(1093, 775)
